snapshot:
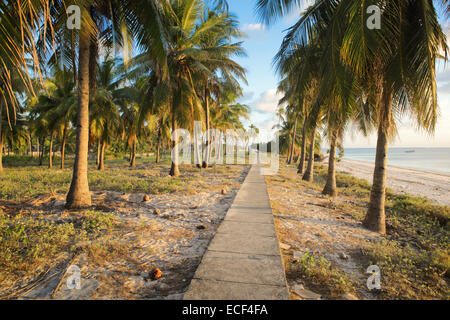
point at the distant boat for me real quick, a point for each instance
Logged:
(410, 151)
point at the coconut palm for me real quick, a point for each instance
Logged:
(192, 59)
(101, 20)
(105, 105)
(398, 61)
(55, 108)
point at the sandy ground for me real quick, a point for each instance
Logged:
(308, 222)
(173, 239)
(431, 185)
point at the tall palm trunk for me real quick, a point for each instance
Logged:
(99, 146)
(309, 174)
(79, 195)
(174, 170)
(330, 187)
(101, 162)
(63, 145)
(294, 134)
(133, 154)
(158, 147)
(30, 145)
(207, 154)
(197, 154)
(375, 219)
(301, 165)
(50, 152)
(41, 154)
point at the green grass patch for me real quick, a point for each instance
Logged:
(323, 274)
(30, 243)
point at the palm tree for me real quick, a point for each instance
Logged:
(105, 109)
(398, 61)
(56, 107)
(144, 20)
(192, 59)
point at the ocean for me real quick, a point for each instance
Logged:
(429, 159)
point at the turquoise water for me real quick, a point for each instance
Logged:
(430, 159)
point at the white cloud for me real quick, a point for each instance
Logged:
(253, 27)
(267, 102)
(295, 14)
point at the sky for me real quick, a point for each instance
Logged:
(262, 43)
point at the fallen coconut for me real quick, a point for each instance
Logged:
(155, 274)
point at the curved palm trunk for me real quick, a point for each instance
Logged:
(301, 165)
(133, 154)
(101, 163)
(79, 195)
(294, 133)
(63, 145)
(309, 174)
(330, 187)
(50, 152)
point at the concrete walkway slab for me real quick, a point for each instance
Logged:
(243, 260)
(222, 290)
(237, 227)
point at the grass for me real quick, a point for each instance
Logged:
(30, 244)
(414, 256)
(320, 271)
(34, 240)
(24, 179)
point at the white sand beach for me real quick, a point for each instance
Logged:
(432, 185)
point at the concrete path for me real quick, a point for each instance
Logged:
(243, 261)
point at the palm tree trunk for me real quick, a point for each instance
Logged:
(101, 163)
(301, 165)
(158, 148)
(99, 145)
(207, 155)
(30, 145)
(79, 195)
(375, 217)
(63, 145)
(50, 152)
(38, 147)
(330, 187)
(309, 174)
(41, 154)
(174, 170)
(133, 154)
(294, 133)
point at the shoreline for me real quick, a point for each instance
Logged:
(440, 173)
(434, 186)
